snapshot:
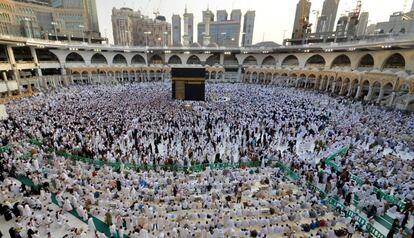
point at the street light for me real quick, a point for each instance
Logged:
(146, 33)
(83, 33)
(54, 27)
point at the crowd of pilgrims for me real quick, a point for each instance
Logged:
(140, 124)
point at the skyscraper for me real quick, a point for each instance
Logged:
(362, 24)
(326, 22)
(222, 15)
(132, 28)
(301, 19)
(91, 15)
(61, 19)
(203, 28)
(176, 30)
(248, 27)
(412, 7)
(188, 37)
(223, 31)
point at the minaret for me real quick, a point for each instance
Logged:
(207, 18)
(188, 27)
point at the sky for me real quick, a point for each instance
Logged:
(274, 18)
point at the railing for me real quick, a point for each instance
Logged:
(37, 41)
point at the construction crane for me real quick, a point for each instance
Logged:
(304, 25)
(354, 19)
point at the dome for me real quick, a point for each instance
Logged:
(266, 44)
(212, 45)
(195, 45)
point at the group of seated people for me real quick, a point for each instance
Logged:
(139, 124)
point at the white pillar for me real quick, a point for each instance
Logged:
(359, 91)
(381, 95)
(5, 81)
(12, 61)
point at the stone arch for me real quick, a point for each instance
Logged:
(290, 60)
(394, 61)
(330, 83)
(98, 59)
(345, 86)
(341, 61)
(375, 90)
(156, 59)
(74, 57)
(311, 81)
(388, 89)
(324, 82)
(261, 77)
(213, 60)
(366, 61)
(45, 55)
(119, 59)
(353, 89)
(193, 60)
(337, 85)
(230, 60)
(269, 61)
(254, 77)
(365, 87)
(315, 61)
(174, 60)
(137, 59)
(250, 60)
(403, 88)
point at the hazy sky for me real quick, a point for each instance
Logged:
(273, 17)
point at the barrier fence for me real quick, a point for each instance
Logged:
(99, 225)
(389, 198)
(333, 202)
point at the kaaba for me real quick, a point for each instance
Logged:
(188, 83)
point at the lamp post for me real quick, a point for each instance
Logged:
(54, 27)
(83, 33)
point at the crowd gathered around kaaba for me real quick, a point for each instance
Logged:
(140, 124)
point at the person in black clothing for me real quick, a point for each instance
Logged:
(394, 228)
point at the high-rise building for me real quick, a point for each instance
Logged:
(341, 26)
(204, 28)
(248, 27)
(326, 22)
(362, 24)
(61, 19)
(176, 30)
(412, 7)
(91, 15)
(132, 28)
(222, 15)
(301, 18)
(223, 31)
(188, 37)
(399, 23)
